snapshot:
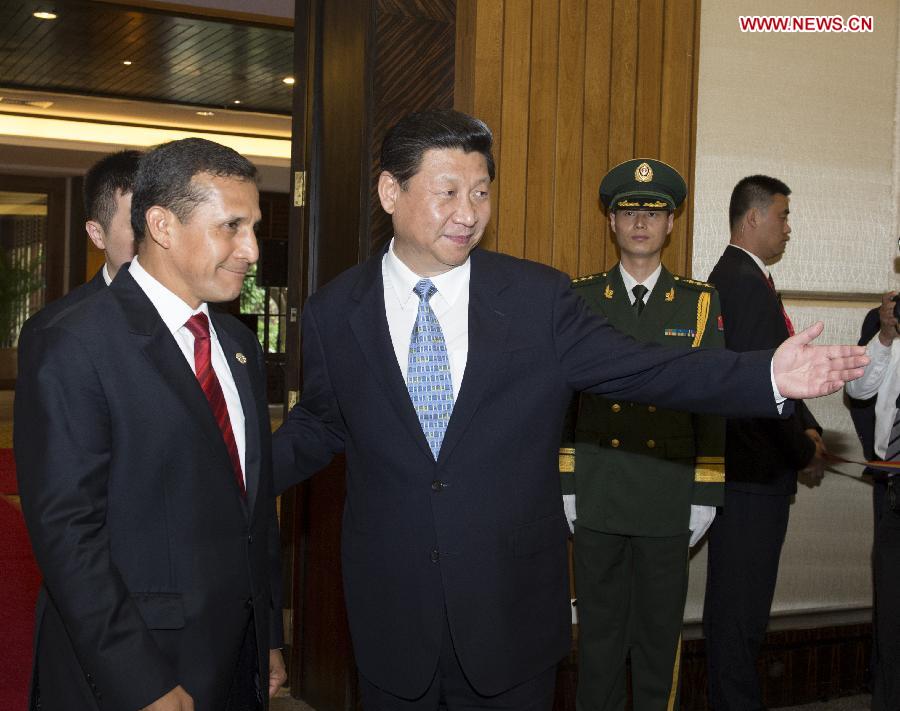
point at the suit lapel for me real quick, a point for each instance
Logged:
(240, 372)
(158, 345)
(488, 325)
(370, 328)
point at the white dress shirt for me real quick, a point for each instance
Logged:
(450, 305)
(175, 313)
(106, 277)
(881, 377)
(631, 282)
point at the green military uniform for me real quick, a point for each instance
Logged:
(636, 470)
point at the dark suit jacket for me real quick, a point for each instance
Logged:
(761, 455)
(46, 314)
(862, 412)
(152, 562)
(480, 533)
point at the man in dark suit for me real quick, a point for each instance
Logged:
(443, 373)
(762, 456)
(645, 480)
(108, 185)
(143, 454)
(881, 384)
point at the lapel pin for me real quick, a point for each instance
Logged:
(670, 294)
(608, 293)
(241, 358)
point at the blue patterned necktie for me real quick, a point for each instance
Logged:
(428, 374)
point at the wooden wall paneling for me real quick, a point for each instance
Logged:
(464, 67)
(510, 203)
(569, 135)
(678, 128)
(623, 74)
(488, 93)
(540, 181)
(650, 33)
(594, 242)
(412, 62)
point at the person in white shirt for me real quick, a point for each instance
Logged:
(882, 380)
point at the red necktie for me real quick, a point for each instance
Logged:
(787, 319)
(198, 324)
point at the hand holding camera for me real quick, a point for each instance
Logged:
(889, 313)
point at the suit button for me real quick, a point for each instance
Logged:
(614, 442)
(250, 539)
(651, 408)
(650, 444)
(435, 556)
(437, 485)
(616, 407)
(249, 603)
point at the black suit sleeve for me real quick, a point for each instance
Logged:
(748, 327)
(313, 431)
(63, 445)
(597, 358)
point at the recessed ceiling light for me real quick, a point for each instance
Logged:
(44, 15)
(206, 113)
(289, 80)
(236, 101)
(127, 62)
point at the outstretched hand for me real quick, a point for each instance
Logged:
(803, 370)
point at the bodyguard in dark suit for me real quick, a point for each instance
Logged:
(645, 480)
(762, 456)
(108, 185)
(443, 373)
(143, 454)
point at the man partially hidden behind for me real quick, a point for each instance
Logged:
(108, 186)
(143, 455)
(645, 479)
(762, 456)
(882, 381)
(443, 372)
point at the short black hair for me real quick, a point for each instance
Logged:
(408, 140)
(165, 177)
(753, 191)
(111, 174)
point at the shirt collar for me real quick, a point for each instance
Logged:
(631, 282)
(106, 277)
(173, 311)
(759, 262)
(402, 279)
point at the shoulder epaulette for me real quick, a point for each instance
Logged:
(589, 279)
(693, 283)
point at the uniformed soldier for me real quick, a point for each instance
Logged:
(640, 483)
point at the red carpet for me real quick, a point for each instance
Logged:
(19, 583)
(7, 472)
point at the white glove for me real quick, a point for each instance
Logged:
(701, 518)
(569, 508)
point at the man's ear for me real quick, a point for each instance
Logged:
(753, 217)
(158, 225)
(95, 231)
(671, 223)
(612, 220)
(388, 190)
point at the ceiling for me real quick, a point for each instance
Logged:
(198, 61)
